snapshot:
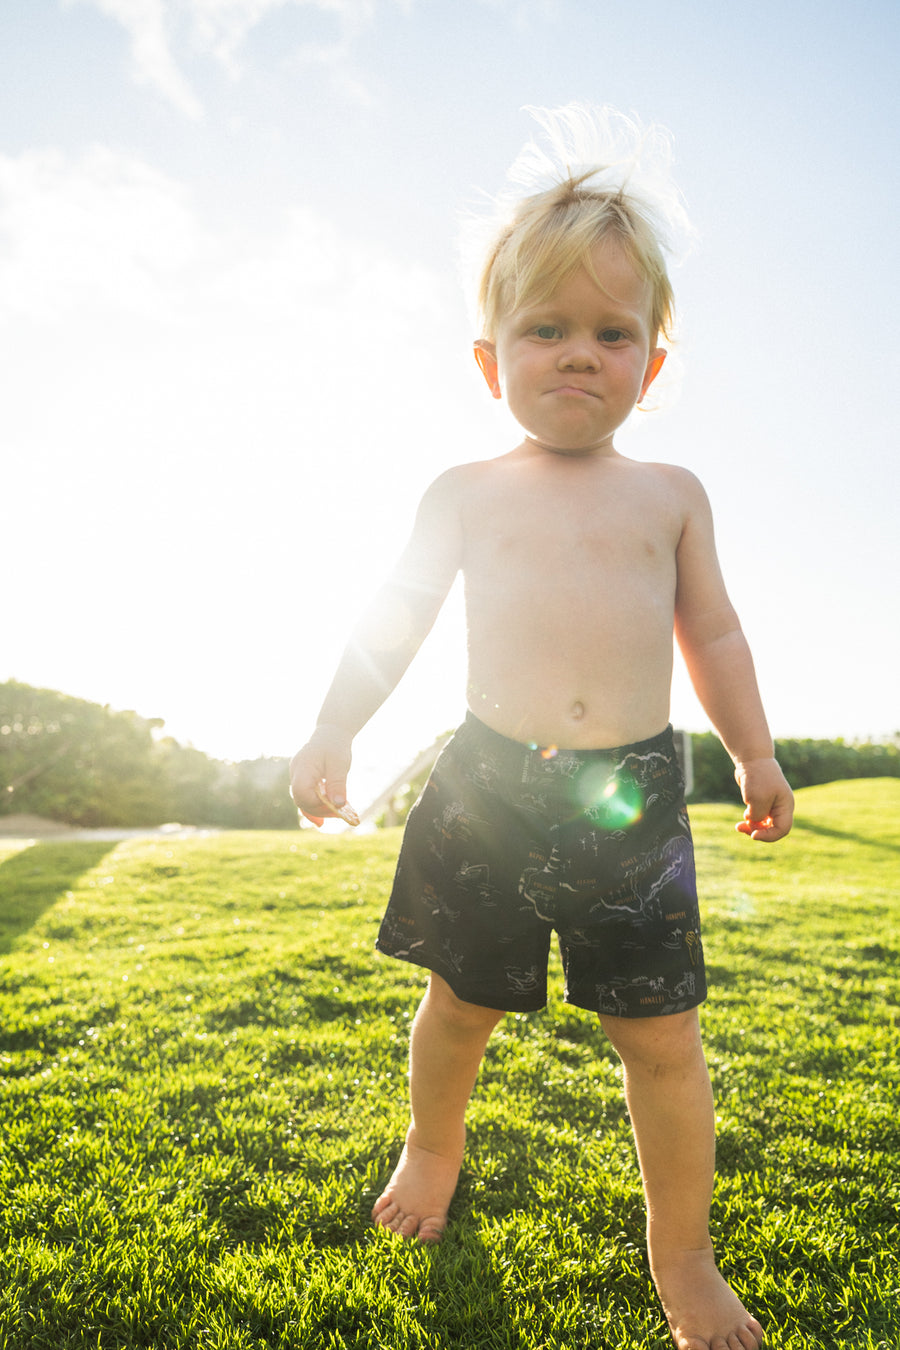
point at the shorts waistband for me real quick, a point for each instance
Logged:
(520, 759)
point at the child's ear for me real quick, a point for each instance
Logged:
(486, 356)
(654, 366)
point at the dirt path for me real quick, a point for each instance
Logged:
(38, 827)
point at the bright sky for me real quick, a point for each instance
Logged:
(235, 351)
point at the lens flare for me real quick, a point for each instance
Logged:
(614, 803)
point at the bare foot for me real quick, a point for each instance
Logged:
(702, 1310)
(415, 1201)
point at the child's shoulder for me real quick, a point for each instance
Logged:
(674, 474)
(461, 479)
(673, 479)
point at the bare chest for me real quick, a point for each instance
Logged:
(551, 540)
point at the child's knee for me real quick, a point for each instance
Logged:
(656, 1043)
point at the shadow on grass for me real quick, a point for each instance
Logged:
(846, 836)
(466, 1288)
(32, 880)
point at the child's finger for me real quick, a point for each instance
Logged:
(751, 826)
(765, 831)
(344, 810)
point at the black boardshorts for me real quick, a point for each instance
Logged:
(509, 842)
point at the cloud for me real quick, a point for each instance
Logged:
(92, 234)
(148, 24)
(220, 27)
(89, 236)
(163, 31)
(127, 320)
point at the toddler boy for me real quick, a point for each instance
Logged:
(558, 805)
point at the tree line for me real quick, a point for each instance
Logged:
(87, 764)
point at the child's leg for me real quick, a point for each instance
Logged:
(447, 1043)
(670, 1102)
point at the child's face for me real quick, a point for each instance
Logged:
(573, 367)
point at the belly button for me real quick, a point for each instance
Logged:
(577, 711)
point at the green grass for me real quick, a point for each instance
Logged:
(203, 1089)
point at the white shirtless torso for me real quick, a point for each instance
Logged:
(570, 576)
(571, 566)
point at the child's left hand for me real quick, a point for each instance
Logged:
(768, 799)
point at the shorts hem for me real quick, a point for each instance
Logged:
(513, 1005)
(639, 1013)
(507, 1005)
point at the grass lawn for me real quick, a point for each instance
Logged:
(202, 1090)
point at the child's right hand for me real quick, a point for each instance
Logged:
(319, 776)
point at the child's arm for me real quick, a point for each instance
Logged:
(721, 669)
(381, 647)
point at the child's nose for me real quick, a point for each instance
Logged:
(579, 355)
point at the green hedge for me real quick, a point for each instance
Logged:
(805, 763)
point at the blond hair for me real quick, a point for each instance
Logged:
(552, 233)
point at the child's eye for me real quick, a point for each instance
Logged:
(611, 335)
(547, 331)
